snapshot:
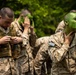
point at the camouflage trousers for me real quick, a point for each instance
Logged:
(24, 66)
(7, 66)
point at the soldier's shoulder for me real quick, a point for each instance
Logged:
(14, 22)
(56, 39)
(56, 35)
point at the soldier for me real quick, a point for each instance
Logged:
(24, 29)
(62, 48)
(39, 42)
(42, 59)
(7, 40)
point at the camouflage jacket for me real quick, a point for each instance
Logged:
(25, 46)
(62, 55)
(25, 49)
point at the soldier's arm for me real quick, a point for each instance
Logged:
(60, 27)
(24, 35)
(57, 49)
(57, 54)
(25, 38)
(41, 57)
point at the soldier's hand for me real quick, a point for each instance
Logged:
(5, 39)
(68, 38)
(26, 29)
(26, 23)
(16, 40)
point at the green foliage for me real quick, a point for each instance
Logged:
(46, 13)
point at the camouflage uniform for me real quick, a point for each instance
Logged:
(24, 61)
(62, 55)
(7, 65)
(42, 55)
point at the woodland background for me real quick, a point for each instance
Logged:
(46, 13)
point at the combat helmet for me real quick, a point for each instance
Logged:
(70, 19)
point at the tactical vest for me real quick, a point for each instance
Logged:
(7, 49)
